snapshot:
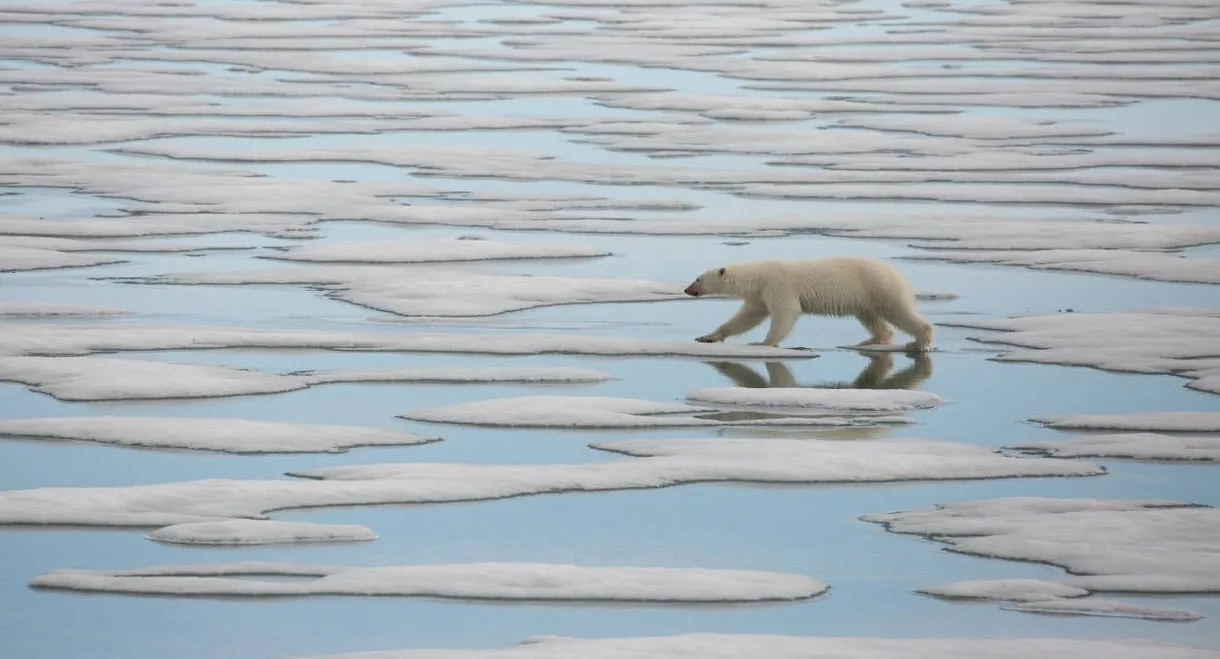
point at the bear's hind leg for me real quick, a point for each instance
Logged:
(879, 331)
(911, 322)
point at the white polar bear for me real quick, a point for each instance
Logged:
(872, 291)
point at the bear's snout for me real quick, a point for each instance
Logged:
(692, 291)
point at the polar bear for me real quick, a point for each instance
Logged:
(872, 291)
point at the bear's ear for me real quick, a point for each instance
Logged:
(722, 272)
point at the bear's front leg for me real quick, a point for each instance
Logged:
(750, 315)
(783, 319)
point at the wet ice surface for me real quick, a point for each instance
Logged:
(373, 212)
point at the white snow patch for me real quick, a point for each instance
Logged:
(208, 434)
(1142, 265)
(259, 532)
(606, 412)
(835, 400)
(706, 646)
(436, 292)
(1116, 545)
(431, 251)
(34, 309)
(503, 581)
(1135, 445)
(106, 378)
(1137, 342)
(663, 463)
(1092, 606)
(13, 259)
(1137, 421)
(1009, 590)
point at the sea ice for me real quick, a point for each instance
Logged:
(1137, 421)
(32, 309)
(60, 339)
(1007, 590)
(439, 292)
(1093, 606)
(14, 259)
(1114, 545)
(605, 412)
(208, 434)
(833, 400)
(427, 251)
(483, 581)
(1137, 342)
(1143, 265)
(654, 463)
(259, 532)
(717, 646)
(1135, 445)
(105, 378)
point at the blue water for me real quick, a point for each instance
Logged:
(813, 530)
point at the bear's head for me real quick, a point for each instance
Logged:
(708, 283)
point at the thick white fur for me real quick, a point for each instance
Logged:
(871, 290)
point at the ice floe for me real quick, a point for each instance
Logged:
(481, 581)
(60, 339)
(804, 398)
(1135, 445)
(238, 532)
(439, 292)
(1147, 546)
(1143, 265)
(428, 251)
(1005, 590)
(653, 463)
(1139, 342)
(208, 434)
(104, 378)
(606, 412)
(702, 646)
(14, 259)
(1092, 606)
(67, 309)
(1137, 421)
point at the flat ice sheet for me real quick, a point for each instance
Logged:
(1095, 606)
(1141, 265)
(1137, 421)
(1005, 590)
(208, 434)
(436, 292)
(242, 532)
(107, 378)
(58, 339)
(704, 646)
(1138, 342)
(654, 463)
(606, 412)
(67, 309)
(833, 400)
(1114, 545)
(433, 251)
(1134, 445)
(494, 581)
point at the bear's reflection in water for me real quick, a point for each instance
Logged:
(877, 375)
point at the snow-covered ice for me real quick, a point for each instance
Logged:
(241, 532)
(654, 463)
(208, 434)
(1143, 265)
(1135, 445)
(1094, 606)
(1137, 421)
(707, 646)
(431, 251)
(109, 378)
(832, 400)
(485, 581)
(1113, 545)
(1139, 342)
(68, 309)
(607, 412)
(439, 292)
(1006, 590)
(59, 339)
